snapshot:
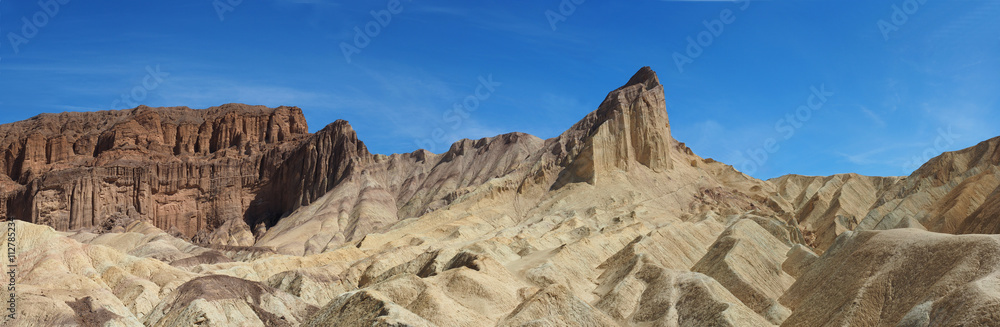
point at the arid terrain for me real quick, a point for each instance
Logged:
(238, 216)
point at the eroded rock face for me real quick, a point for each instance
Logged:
(630, 127)
(369, 193)
(955, 193)
(626, 141)
(900, 276)
(944, 194)
(747, 260)
(319, 163)
(612, 223)
(219, 300)
(181, 169)
(829, 205)
(61, 281)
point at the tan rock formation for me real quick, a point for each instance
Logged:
(747, 260)
(828, 206)
(626, 141)
(944, 193)
(611, 223)
(61, 281)
(800, 259)
(219, 300)
(952, 193)
(630, 127)
(896, 276)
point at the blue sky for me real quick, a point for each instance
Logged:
(897, 93)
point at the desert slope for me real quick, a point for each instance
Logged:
(622, 152)
(954, 193)
(611, 223)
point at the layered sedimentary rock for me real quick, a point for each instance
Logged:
(221, 300)
(956, 192)
(625, 144)
(641, 293)
(611, 223)
(64, 282)
(319, 163)
(180, 169)
(943, 194)
(900, 277)
(758, 285)
(826, 206)
(628, 128)
(382, 190)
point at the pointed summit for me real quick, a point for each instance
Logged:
(645, 76)
(629, 127)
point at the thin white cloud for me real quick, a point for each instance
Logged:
(873, 116)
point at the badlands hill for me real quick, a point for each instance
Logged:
(236, 215)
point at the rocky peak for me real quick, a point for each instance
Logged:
(314, 167)
(630, 127)
(645, 76)
(467, 146)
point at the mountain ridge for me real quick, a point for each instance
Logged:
(248, 219)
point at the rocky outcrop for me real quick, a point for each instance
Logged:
(555, 306)
(319, 163)
(612, 223)
(381, 190)
(985, 219)
(630, 127)
(180, 169)
(626, 138)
